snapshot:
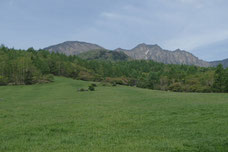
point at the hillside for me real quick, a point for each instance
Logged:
(73, 47)
(56, 117)
(104, 55)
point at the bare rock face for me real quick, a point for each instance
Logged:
(156, 53)
(73, 47)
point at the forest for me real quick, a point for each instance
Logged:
(26, 67)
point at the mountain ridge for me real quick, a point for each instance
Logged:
(156, 53)
(140, 52)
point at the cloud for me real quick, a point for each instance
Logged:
(124, 18)
(174, 24)
(213, 51)
(191, 42)
(189, 1)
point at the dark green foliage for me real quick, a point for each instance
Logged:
(226, 80)
(91, 88)
(220, 79)
(22, 67)
(153, 79)
(82, 90)
(3, 80)
(104, 55)
(176, 87)
(94, 84)
(50, 77)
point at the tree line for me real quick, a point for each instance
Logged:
(18, 67)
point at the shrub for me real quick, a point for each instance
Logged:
(3, 80)
(86, 76)
(176, 87)
(118, 80)
(105, 84)
(91, 88)
(94, 85)
(132, 82)
(82, 90)
(50, 77)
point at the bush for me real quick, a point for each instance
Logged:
(82, 90)
(132, 82)
(3, 80)
(94, 85)
(141, 84)
(91, 88)
(49, 78)
(118, 80)
(105, 84)
(176, 87)
(28, 78)
(86, 76)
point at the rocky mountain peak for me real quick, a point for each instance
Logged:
(146, 46)
(73, 47)
(156, 53)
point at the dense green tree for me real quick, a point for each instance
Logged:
(219, 79)
(226, 80)
(153, 79)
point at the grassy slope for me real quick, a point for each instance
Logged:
(55, 117)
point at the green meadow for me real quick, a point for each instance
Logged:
(55, 117)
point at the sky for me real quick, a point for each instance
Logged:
(197, 26)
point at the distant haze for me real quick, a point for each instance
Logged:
(198, 26)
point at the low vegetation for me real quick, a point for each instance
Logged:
(31, 66)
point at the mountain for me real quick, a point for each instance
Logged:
(156, 53)
(223, 62)
(140, 52)
(104, 55)
(73, 47)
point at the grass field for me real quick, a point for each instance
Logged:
(55, 117)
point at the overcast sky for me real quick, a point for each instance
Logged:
(198, 26)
